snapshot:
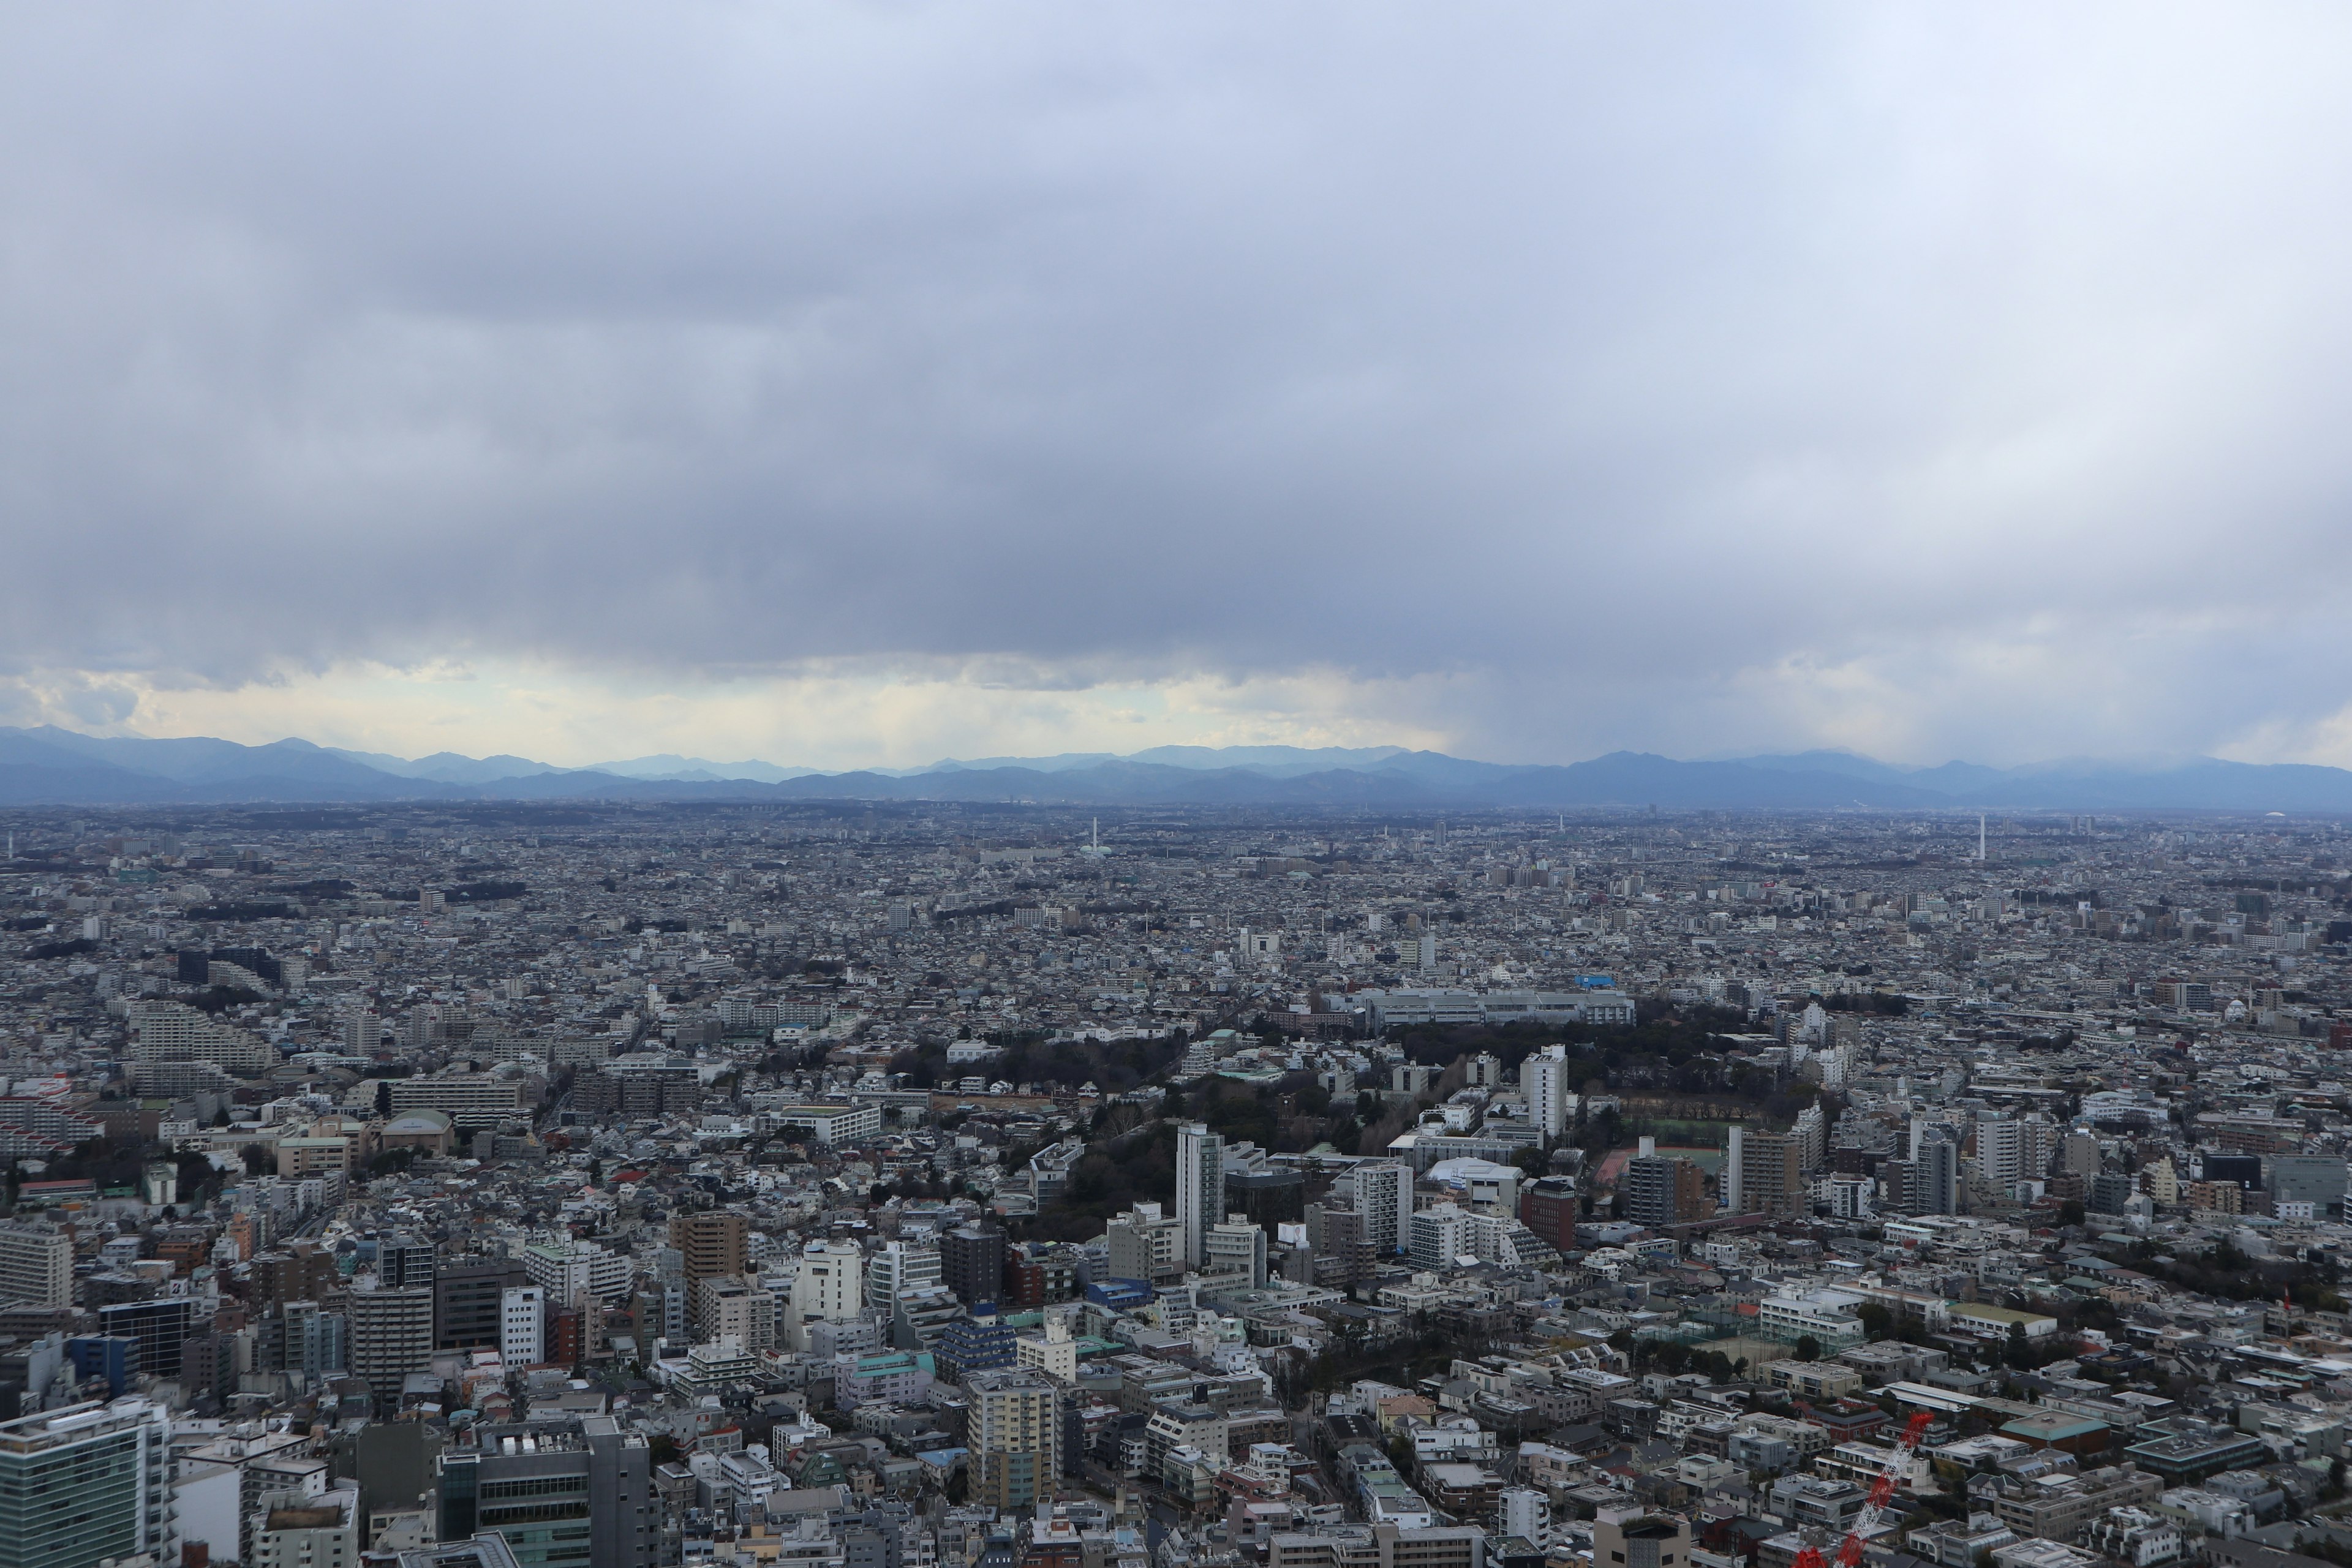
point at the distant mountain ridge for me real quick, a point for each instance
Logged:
(47, 765)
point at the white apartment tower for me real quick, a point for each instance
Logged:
(1199, 1187)
(1381, 1191)
(1544, 1077)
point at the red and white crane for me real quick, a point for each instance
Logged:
(1874, 1508)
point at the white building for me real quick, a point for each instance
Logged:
(1544, 1077)
(522, 1325)
(1200, 1187)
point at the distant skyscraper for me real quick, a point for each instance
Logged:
(1199, 1187)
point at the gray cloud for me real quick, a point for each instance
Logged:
(1956, 382)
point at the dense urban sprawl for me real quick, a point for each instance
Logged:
(927, 1185)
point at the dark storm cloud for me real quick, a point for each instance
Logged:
(1661, 375)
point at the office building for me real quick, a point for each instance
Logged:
(1338, 1253)
(2314, 1179)
(161, 1327)
(470, 1303)
(574, 1493)
(86, 1484)
(582, 1271)
(1200, 1187)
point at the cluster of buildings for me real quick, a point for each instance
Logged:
(589, 1187)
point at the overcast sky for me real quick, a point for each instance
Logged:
(839, 385)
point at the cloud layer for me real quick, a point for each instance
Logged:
(1532, 384)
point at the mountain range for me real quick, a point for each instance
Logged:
(47, 766)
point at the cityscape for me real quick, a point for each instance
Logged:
(887, 1182)
(877, 783)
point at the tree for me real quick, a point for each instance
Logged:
(1808, 1348)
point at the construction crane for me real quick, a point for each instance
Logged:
(1874, 1508)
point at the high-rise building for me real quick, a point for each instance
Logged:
(522, 1325)
(36, 1266)
(2003, 1150)
(1381, 1191)
(1014, 1436)
(1811, 1135)
(972, 1263)
(711, 1242)
(830, 1285)
(1763, 1175)
(1199, 1187)
(564, 1494)
(1934, 1178)
(1543, 1077)
(1661, 1190)
(391, 1336)
(468, 1303)
(86, 1484)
